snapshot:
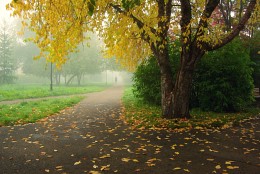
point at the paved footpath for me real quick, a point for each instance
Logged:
(90, 138)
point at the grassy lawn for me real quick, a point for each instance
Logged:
(29, 112)
(12, 92)
(142, 115)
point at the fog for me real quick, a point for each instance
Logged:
(85, 67)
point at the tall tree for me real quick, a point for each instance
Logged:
(7, 62)
(133, 29)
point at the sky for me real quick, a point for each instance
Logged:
(4, 14)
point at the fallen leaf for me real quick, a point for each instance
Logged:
(150, 164)
(125, 159)
(218, 167)
(77, 163)
(135, 160)
(105, 167)
(210, 159)
(173, 146)
(95, 166)
(232, 167)
(105, 156)
(186, 170)
(177, 168)
(94, 172)
(228, 162)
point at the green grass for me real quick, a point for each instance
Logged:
(30, 112)
(142, 115)
(12, 92)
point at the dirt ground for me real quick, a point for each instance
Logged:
(91, 138)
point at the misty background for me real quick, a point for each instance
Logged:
(87, 66)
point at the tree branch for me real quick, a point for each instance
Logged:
(164, 11)
(209, 8)
(185, 24)
(186, 14)
(236, 30)
(139, 23)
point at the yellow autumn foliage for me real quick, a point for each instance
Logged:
(60, 26)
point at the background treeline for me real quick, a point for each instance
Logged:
(17, 64)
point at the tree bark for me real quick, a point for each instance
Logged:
(166, 83)
(183, 83)
(182, 92)
(166, 90)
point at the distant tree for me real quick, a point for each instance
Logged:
(111, 64)
(86, 61)
(38, 67)
(7, 61)
(26, 51)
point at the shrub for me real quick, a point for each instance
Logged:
(222, 82)
(147, 82)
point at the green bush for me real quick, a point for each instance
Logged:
(223, 79)
(222, 82)
(147, 82)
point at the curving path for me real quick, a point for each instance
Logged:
(90, 138)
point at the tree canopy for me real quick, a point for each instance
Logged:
(129, 28)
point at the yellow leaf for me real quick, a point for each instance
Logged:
(77, 163)
(186, 170)
(177, 168)
(135, 160)
(210, 159)
(232, 167)
(94, 172)
(95, 166)
(105, 167)
(151, 164)
(125, 159)
(105, 156)
(228, 162)
(218, 167)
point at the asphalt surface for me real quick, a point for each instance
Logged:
(91, 138)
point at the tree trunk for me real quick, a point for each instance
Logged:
(79, 78)
(65, 79)
(183, 83)
(70, 80)
(166, 84)
(166, 90)
(57, 77)
(182, 91)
